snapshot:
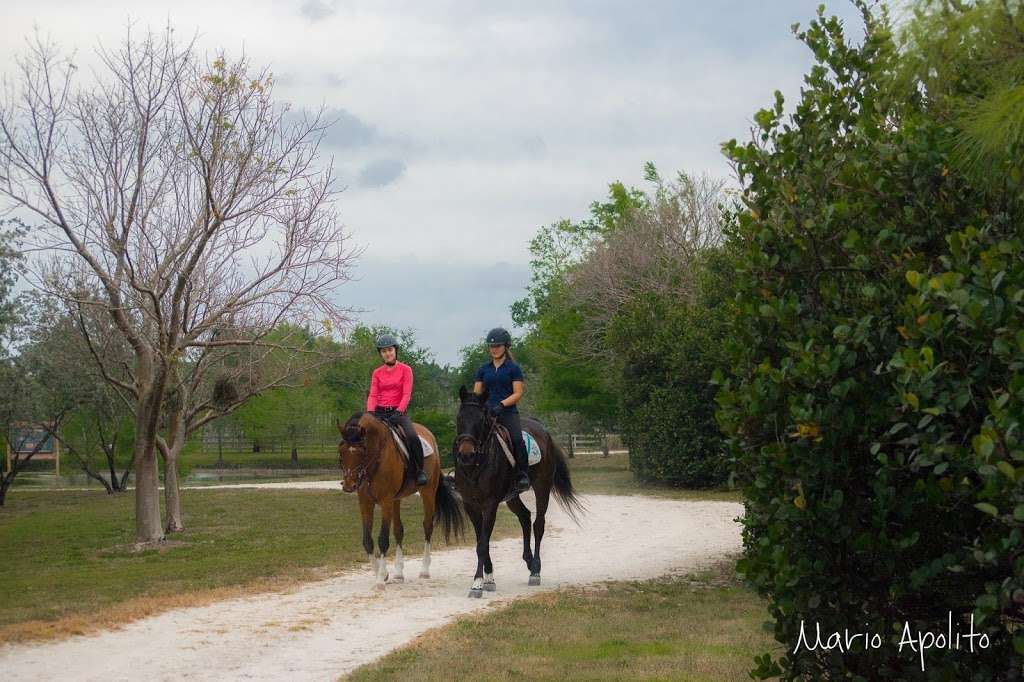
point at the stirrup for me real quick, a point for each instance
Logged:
(522, 482)
(421, 475)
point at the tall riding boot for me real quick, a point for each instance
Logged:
(522, 470)
(416, 460)
(414, 446)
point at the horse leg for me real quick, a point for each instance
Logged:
(366, 511)
(428, 497)
(399, 576)
(488, 523)
(477, 589)
(383, 542)
(542, 497)
(523, 514)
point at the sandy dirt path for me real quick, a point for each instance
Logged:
(326, 629)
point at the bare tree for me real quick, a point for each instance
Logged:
(652, 251)
(176, 187)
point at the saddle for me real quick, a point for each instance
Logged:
(505, 440)
(403, 445)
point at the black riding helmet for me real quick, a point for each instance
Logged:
(499, 335)
(385, 340)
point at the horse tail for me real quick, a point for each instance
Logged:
(448, 510)
(564, 491)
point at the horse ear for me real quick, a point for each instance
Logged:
(462, 393)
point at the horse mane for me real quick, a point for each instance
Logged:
(352, 430)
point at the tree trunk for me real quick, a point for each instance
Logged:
(172, 492)
(147, 491)
(147, 479)
(110, 453)
(124, 478)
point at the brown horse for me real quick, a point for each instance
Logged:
(373, 466)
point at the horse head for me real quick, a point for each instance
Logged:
(352, 452)
(472, 424)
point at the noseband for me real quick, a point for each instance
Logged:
(477, 445)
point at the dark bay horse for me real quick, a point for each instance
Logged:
(484, 478)
(373, 467)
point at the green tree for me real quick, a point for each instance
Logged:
(568, 380)
(875, 395)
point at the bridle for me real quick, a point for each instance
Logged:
(478, 445)
(364, 472)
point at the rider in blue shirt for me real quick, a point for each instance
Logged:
(504, 381)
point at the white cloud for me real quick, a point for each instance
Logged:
(493, 119)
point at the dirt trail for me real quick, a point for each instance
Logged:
(327, 628)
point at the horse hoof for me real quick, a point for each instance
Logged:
(398, 579)
(490, 587)
(534, 580)
(425, 574)
(475, 593)
(379, 587)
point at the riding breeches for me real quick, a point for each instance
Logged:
(412, 439)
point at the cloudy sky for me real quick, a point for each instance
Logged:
(462, 127)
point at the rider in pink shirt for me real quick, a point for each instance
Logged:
(390, 386)
(390, 393)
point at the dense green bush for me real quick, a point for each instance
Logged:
(442, 425)
(668, 351)
(875, 406)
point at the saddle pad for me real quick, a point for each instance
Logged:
(427, 450)
(532, 450)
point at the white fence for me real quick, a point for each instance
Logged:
(594, 443)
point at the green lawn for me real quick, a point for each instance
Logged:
(702, 627)
(67, 555)
(592, 473)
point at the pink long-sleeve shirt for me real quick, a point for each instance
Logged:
(390, 387)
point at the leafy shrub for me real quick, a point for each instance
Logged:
(669, 351)
(875, 406)
(442, 425)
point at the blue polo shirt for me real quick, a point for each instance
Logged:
(498, 380)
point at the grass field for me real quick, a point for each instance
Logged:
(68, 564)
(592, 473)
(702, 627)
